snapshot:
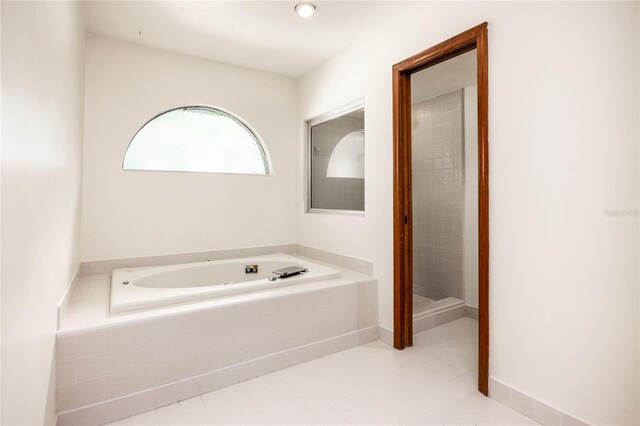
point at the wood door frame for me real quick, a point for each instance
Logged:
(474, 38)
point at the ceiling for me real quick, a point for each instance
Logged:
(265, 35)
(445, 77)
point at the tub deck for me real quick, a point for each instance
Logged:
(88, 308)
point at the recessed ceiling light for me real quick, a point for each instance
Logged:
(305, 9)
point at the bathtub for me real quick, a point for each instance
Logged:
(148, 287)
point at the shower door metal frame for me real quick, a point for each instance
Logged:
(474, 38)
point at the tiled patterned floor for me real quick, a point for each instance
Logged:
(431, 383)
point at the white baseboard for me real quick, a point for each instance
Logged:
(472, 312)
(530, 406)
(385, 335)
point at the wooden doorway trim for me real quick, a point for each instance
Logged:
(474, 38)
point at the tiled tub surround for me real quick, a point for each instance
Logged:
(438, 196)
(112, 366)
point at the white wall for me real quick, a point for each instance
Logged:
(42, 109)
(471, 195)
(563, 148)
(130, 214)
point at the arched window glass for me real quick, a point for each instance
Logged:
(347, 158)
(197, 139)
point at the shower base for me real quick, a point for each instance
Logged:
(428, 313)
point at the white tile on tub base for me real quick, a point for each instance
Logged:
(65, 373)
(166, 395)
(90, 416)
(65, 348)
(529, 406)
(117, 384)
(142, 402)
(66, 419)
(247, 371)
(188, 388)
(209, 345)
(208, 382)
(90, 344)
(117, 409)
(117, 361)
(367, 335)
(171, 393)
(65, 397)
(263, 366)
(90, 367)
(119, 338)
(228, 376)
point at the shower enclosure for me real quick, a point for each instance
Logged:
(444, 188)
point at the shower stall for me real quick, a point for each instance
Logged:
(444, 189)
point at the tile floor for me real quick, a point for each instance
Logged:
(431, 383)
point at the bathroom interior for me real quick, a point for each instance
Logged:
(277, 212)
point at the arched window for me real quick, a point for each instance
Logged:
(197, 139)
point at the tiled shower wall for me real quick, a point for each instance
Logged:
(438, 196)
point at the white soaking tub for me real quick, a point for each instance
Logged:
(140, 288)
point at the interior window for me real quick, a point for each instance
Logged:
(336, 148)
